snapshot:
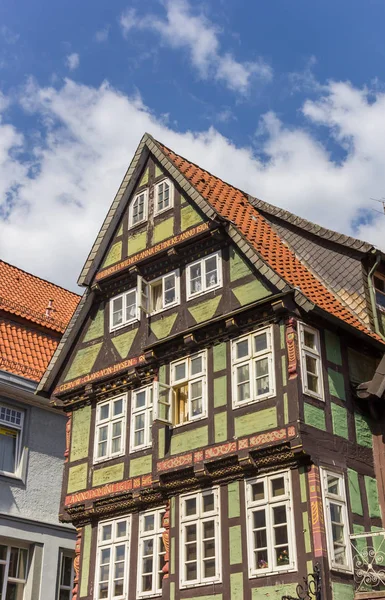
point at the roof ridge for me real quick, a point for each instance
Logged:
(39, 278)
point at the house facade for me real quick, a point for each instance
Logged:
(36, 550)
(217, 445)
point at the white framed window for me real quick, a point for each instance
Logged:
(124, 309)
(112, 561)
(151, 553)
(11, 430)
(379, 286)
(66, 575)
(13, 571)
(253, 367)
(200, 558)
(336, 520)
(110, 429)
(164, 196)
(141, 418)
(138, 209)
(311, 361)
(164, 292)
(204, 275)
(188, 393)
(270, 527)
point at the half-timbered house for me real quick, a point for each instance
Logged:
(217, 446)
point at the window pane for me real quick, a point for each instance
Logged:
(260, 342)
(156, 296)
(279, 513)
(278, 486)
(117, 311)
(118, 407)
(260, 557)
(282, 556)
(149, 523)
(209, 568)
(208, 529)
(208, 503)
(242, 348)
(104, 412)
(190, 506)
(121, 529)
(180, 372)
(258, 491)
(15, 591)
(106, 533)
(196, 365)
(191, 571)
(8, 446)
(309, 339)
(169, 289)
(195, 279)
(333, 484)
(259, 519)
(130, 305)
(211, 272)
(191, 551)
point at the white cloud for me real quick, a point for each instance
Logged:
(196, 34)
(52, 207)
(73, 61)
(9, 36)
(102, 34)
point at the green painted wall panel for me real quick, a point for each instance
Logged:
(80, 435)
(314, 416)
(342, 591)
(250, 292)
(124, 341)
(235, 543)
(354, 492)
(144, 179)
(233, 499)
(140, 466)
(363, 431)
(340, 420)
(204, 311)
(220, 427)
(302, 483)
(108, 474)
(285, 408)
(236, 586)
(86, 559)
(273, 592)
(136, 243)
(172, 510)
(77, 478)
(220, 391)
(333, 347)
(372, 496)
(306, 531)
(158, 171)
(172, 590)
(163, 230)
(189, 217)
(114, 254)
(255, 422)
(238, 266)
(219, 357)
(83, 361)
(284, 370)
(161, 442)
(172, 556)
(162, 327)
(336, 384)
(359, 543)
(183, 442)
(96, 327)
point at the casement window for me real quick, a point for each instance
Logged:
(336, 520)
(66, 576)
(110, 429)
(13, 571)
(124, 309)
(141, 418)
(204, 275)
(200, 538)
(311, 362)
(379, 286)
(151, 553)
(11, 429)
(188, 388)
(270, 528)
(164, 196)
(138, 209)
(253, 367)
(163, 292)
(113, 549)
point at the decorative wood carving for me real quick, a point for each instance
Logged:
(78, 547)
(291, 344)
(68, 436)
(317, 515)
(166, 540)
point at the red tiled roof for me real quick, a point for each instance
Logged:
(25, 351)
(28, 297)
(233, 204)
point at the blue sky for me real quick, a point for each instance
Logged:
(284, 99)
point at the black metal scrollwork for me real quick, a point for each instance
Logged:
(310, 589)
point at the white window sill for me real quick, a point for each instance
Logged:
(256, 401)
(158, 312)
(156, 213)
(14, 476)
(112, 329)
(189, 422)
(198, 294)
(133, 225)
(186, 586)
(133, 451)
(97, 461)
(267, 573)
(312, 395)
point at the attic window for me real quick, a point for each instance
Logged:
(164, 196)
(379, 286)
(138, 209)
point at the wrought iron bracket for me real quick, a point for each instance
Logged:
(310, 589)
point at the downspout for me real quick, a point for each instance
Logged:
(372, 295)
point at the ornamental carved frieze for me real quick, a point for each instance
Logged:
(291, 345)
(166, 540)
(317, 515)
(78, 547)
(68, 436)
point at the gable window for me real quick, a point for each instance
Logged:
(200, 538)
(336, 519)
(163, 292)
(138, 209)
(124, 309)
(311, 362)
(13, 571)
(164, 196)
(110, 429)
(113, 548)
(151, 553)
(11, 428)
(204, 275)
(270, 530)
(379, 286)
(253, 367)
(66, 576)
(141, 418)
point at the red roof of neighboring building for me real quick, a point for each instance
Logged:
(29, 329)
(234, 205)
